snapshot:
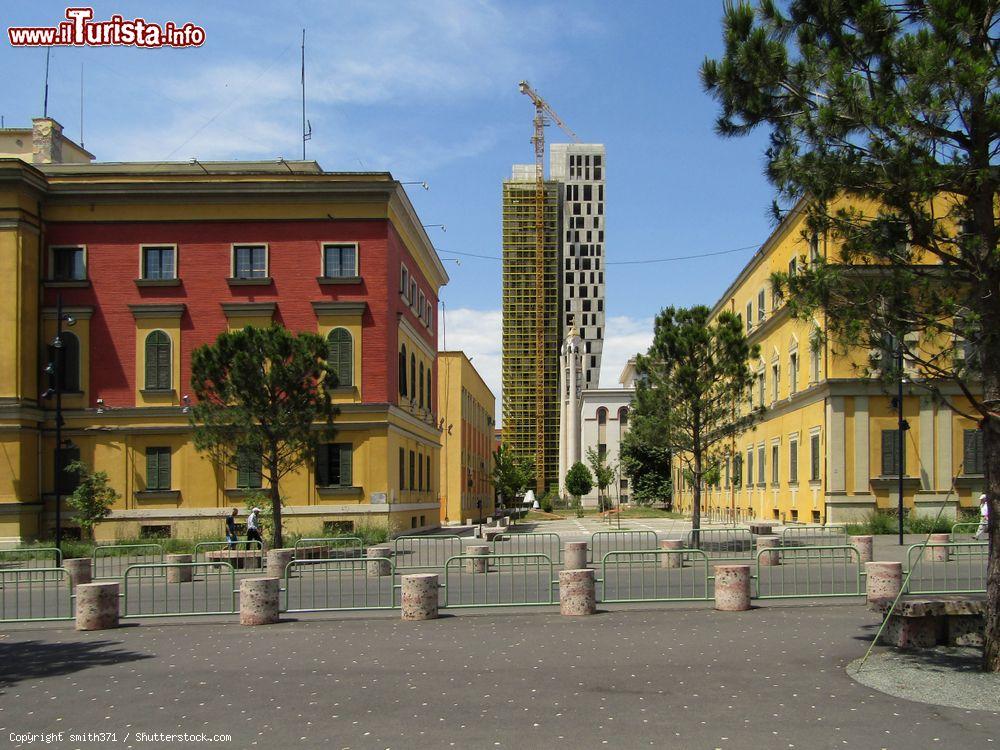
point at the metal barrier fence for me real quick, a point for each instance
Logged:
(962, 571)
(539, 542)
(111, 560)
(650, 576)
(602, 542)
(964, 529)
(418, 552)
(516, 580)
(148, 591)
(731, 543)
(328, 547)
(814, 536)
(245, 545)
(32, 558)
(342, 583)
(35, 594)
(818, 571)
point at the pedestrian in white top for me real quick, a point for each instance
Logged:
(253, 526)
(984, 515)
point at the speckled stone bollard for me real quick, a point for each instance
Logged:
(936, 553)
(770, 544)
(277, 561)
(672, 559)
(419, 596)
(577, 594)
(864, 546)
(180, 575)
(259, 601)
(97, 606)
(883, 580)
(480, 565)
(732, 588)
(80, 570)
(378, 561)
(575, 555)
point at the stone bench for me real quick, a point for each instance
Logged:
(241, 559)
(761, 528)
(926, 621)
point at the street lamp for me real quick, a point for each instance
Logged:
(902, 426)
(56, 372)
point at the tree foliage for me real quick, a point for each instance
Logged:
(263, 392)
(93, 497)
(604, 474)
(512, 474)
(884, 121)
(647, 468)
(579, 482)
(691, 390)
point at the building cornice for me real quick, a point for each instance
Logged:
(325, 307)
(249, 309)
(158, 310)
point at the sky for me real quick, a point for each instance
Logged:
(427, 89)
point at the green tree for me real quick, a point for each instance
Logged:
(884, 120)
(512, 474)
(647, 468)
(604, 474)
(579, 482)
(691, 385)
(92, 499)
(263, 392)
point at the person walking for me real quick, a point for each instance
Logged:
(984, 516)
(231, 535)
(253, 527)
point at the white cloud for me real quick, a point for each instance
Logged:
(624, 337)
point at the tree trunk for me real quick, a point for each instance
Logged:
(991, 440)
(696, 502)
(275, 500)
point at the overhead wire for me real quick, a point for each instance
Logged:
(643, 261)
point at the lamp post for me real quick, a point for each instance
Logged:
(901, 427)
(56, 370)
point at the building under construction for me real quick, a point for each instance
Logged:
(523, 393)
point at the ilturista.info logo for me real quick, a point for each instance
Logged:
(81, 30)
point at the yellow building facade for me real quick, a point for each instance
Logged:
(467, 437)
(826, 449)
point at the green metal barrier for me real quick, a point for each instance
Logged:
(148, 592)
(730, 543)
(620, 540)
(969, 528)
(329, 547)
(962, 572)
(335, 584)
(422, 552)
(645, 576)
(35, 595)
(515, 580)
(32, 558)
(814, 536)
(830, 570)
(538, 542)
(111, 560)
(240, 546)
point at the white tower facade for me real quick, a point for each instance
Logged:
(570, 393)
(581, 169)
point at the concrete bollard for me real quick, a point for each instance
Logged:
(938, 554)
(419, 596)
(480, 565)
(180, 575)
(883, 580)
(80, 570)
(673, 559)
(771, 556)
(577, 593)
(732, 588)
(259, 601)
(378, 561)
(575, 556)
(277, 561)
(864, 546)
(97, 606)
(469, 522)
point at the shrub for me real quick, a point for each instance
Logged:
(928, 525)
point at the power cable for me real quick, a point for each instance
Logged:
(621, 262)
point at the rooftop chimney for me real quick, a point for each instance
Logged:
(46, 141)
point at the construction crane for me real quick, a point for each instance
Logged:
(543, 113)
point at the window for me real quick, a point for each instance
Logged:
(428, 389)
(623, 417)
(814, 364)
(814, 458)
(602, 416)
(158, 361)
(413, 377)
(793, 266)
(761, 389)
(813, 248)
(412, 299)
(250, 261)
(157, 468)
(420, 473)
(793, 461)
(774, 464)
(774, 382)
(334, 464)
(248, 474)
(761, 309)
(158, 262)
(972, 451)
(793, 373)
(749, 467)
(340, 261)
(68, 480)
(404, 280)
(413, 470)
(69, 377)
(893, 461)
(737, 470)
(340, 355)
(749, 316)
(402, 371)
(429, 487)
(402, 469)
(725, 470)
(602, 450)
(69, 264)
(760, 465)
(420, 391)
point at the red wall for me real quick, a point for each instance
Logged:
(204, 265)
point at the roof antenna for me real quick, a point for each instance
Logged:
(307, 131)
(45, 104)
(81, 105)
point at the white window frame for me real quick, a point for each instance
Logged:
(404, 280)
(52, 261)
(267, 258)
(793, 440)
(334, 243)
(793, 370)
(142, 260)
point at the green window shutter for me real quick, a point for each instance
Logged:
(346, 464)
(402, 469)
(972, 447)
(164, 467)
(242, 470)
(890, 453)
(340, 355)
(151, 361)
(163, 363)
(323, 466)
(152, 472)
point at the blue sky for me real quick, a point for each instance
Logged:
(427, 89)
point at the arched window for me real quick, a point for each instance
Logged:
(158, 362)
(421, 389)
(402, 371)
(69, 381)
(623, 418)
(413, 376)
(602, 416)
(340, 355)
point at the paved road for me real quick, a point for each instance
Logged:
(673, 677)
